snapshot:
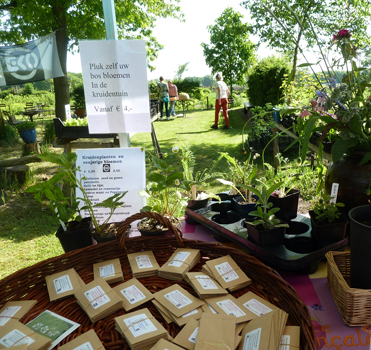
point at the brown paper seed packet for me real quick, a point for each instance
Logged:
(87, 341)
(290, 339)
(163, 344)
(15, 310)
(109, 270)
(143, 264)
(187, 337)
(63, 284)
(15, 333)
(133, 293)
(177, 300)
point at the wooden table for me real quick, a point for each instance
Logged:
(30, 113)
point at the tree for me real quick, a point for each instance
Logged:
(73, 20)
(276, 22)
(230, 51)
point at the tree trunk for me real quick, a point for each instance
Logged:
(61, 86)
(2, 122)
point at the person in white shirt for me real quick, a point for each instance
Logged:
(222, 94)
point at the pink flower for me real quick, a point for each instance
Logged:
(313, 103)
(319, 109)
(343, 33)
(305, 113)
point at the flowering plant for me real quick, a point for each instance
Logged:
(341, 107)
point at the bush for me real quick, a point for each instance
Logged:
(8, 136)
(265, 81)
(49, 132)
(187, 85)
(78, 96)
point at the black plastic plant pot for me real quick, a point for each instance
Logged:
(327, 234)
(77, 236)
(243, 210)
(360, 246)
(264, 238)
(288, 205)
(197, 204)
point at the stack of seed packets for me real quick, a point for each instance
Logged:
(216, 332)
(85, 341)
(163, 311)
(229, 305)
(15, 310)
(140, 329)
(291, 338)
(204, 285)
(98, 299)
(256, 305)
(187, 337)
(177, 301)
(181, 261)
(133, 293)
(264, 332)
(143, 264)
(109, 270)
(63, 284)
(163, 344)
(227, 273)
(15, 333)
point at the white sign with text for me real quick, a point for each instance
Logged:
(110, 171)
(115, 84)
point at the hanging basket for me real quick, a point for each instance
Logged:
(29, 283)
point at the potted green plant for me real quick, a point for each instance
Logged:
(328, 223)
(27, 131)
(263, 227)
(68, 208)
(240, 175)
(164, 195)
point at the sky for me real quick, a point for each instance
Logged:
(182, 40)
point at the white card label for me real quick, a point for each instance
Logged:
(193, 337)
(285, 343)
(107, 271)
(230, 308)
(85, 346)
(97, 297)
(334, 192)
(143, 262)
(252, 340)
(179, 259)
(7, 313)
(257, 307)
(62, 284)
(15, 337)
(140, 325)
(206, 282)
(178, 299)
(225, 270)
(133, 294)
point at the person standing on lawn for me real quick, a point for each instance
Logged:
(163, 96)
(222, 93)
(173, 93)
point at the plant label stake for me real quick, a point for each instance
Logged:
(193, 192)
(334, 192)
(61, 222)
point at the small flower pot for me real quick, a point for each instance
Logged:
(243, 210)
(222, 207)
(225, 218)
(265, 238)
(78, 235)
(328, 233)
(197, 204)
(288, 205)
(296, 228)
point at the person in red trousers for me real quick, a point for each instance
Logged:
(222, 94)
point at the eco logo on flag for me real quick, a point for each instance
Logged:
(34, 61)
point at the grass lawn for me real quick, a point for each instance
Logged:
(27, 228)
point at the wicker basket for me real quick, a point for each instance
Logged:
(29, 283)
(353, 304)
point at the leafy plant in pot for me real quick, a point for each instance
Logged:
(329, 224)
(27, 132)
(240, 174)
(164, 194)
(263, 227)
(68, 208)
